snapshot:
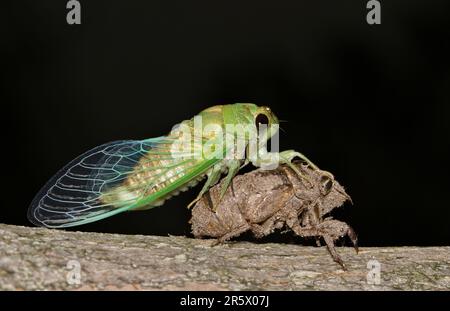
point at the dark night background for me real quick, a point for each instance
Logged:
(370, 103)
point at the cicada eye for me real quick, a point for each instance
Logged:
(261, 119)
(327, 184)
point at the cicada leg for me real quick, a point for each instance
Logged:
(233, 168)
(287, 156)
(213, 178)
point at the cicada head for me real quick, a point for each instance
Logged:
(258, 120)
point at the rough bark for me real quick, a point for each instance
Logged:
(36, 259)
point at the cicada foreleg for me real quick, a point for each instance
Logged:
(286, 157)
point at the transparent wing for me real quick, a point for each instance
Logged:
(95, 186)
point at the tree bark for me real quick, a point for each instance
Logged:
(37, 259)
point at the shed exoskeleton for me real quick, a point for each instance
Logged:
(262, 201)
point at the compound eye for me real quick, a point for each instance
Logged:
(327, 184)
(261, 119)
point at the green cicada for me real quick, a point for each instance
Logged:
(134, 175)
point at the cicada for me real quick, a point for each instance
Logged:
(131, 175)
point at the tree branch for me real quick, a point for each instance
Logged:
(36, 259)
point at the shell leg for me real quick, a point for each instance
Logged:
(234, 233)
(330, 230)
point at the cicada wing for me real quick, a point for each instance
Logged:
(81, 191)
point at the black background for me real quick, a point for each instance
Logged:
(370, 103)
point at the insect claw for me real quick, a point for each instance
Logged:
(300, 174)
(215, 242)
(192, 203)
(352, 235)
(219, 241)
(342, 264)
(311, 185)
(207, 197)
(346, 196)
(318, 242)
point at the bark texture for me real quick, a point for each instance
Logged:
(37, 259)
